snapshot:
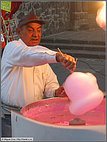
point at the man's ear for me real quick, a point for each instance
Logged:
(18, 30)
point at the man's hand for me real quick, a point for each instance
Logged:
(60, 92)
(67, 61)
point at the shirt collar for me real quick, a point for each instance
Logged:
(22, 41)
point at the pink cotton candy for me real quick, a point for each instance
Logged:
(83, 91)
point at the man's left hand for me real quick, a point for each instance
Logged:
(60, 92)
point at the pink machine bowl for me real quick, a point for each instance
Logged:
(48, 120)
(56, 111)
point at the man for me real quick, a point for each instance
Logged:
(25, 73)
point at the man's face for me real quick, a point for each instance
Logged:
(31, 34)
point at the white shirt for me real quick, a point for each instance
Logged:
(26, 75)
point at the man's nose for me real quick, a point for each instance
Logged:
(35, 33)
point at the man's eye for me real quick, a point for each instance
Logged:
(39, 30)
(30, 30)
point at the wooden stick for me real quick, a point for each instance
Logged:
(76, 59)
(60, 51)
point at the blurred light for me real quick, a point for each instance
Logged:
(101, 16)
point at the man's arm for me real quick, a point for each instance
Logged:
(19, 54)
(51, 82)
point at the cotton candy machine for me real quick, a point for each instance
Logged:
(49, 120)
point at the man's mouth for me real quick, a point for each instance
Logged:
(35, 39)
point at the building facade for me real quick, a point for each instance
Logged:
(61, 16)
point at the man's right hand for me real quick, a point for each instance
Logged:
(67, 61)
